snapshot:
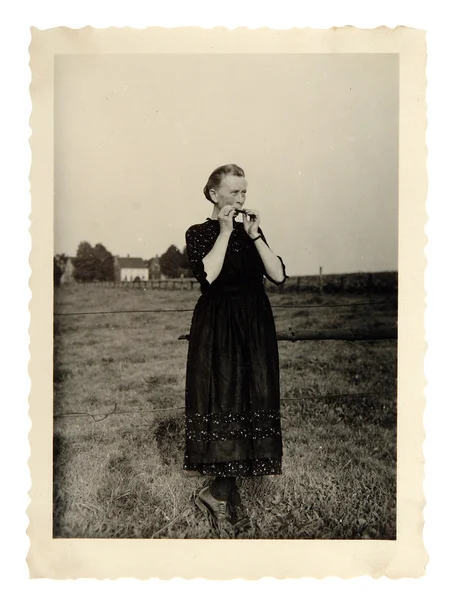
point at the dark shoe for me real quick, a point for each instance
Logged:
(240, 519)
(218, 509)
(217, 513)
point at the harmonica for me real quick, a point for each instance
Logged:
(239, 211)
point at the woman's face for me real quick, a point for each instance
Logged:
(232, 192)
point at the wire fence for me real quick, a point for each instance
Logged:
(347, 335)
(352, 282)
(97, 417)
(168, 310)
(292, 336)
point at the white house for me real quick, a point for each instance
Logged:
(131, 269)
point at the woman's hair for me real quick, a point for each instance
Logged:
(215, 178)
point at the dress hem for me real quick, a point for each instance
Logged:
(245, 468)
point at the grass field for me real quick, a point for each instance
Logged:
(121, 476)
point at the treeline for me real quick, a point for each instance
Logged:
(96, 263)
(385, 282)
(91, 263)
(174, 263)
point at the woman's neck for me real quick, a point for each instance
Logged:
(215, 212)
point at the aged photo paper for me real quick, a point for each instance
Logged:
(52, 52)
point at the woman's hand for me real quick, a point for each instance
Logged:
(251, 222)
(225, 218)
(214, 260)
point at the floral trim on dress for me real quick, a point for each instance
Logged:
(243, 468)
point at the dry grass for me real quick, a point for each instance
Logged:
(121, 476)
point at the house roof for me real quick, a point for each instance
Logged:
(131, 263)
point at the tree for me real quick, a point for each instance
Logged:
(84, 263)
(57, 271)
(170, 262)
(105, 263)
(184, 264)
(59, 266)
(61, 259)
(93, 264)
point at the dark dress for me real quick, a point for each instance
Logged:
(232, 393)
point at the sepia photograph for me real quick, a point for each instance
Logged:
(225, 309)
(226, 330)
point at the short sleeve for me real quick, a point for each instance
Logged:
(282, 264)
(198, 246)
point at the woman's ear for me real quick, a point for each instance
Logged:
(213, 195)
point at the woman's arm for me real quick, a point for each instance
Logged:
(214, 260)
(272, 263)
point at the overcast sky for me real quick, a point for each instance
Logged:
(136, 137)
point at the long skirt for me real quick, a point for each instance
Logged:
(232, 393)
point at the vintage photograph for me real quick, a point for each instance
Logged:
(225, 282)
(226, 357)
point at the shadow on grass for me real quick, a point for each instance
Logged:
(169, 435)
(61, 454)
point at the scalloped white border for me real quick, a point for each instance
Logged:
(15, 241)
(250, 559)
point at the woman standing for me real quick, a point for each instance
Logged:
(232, 384)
